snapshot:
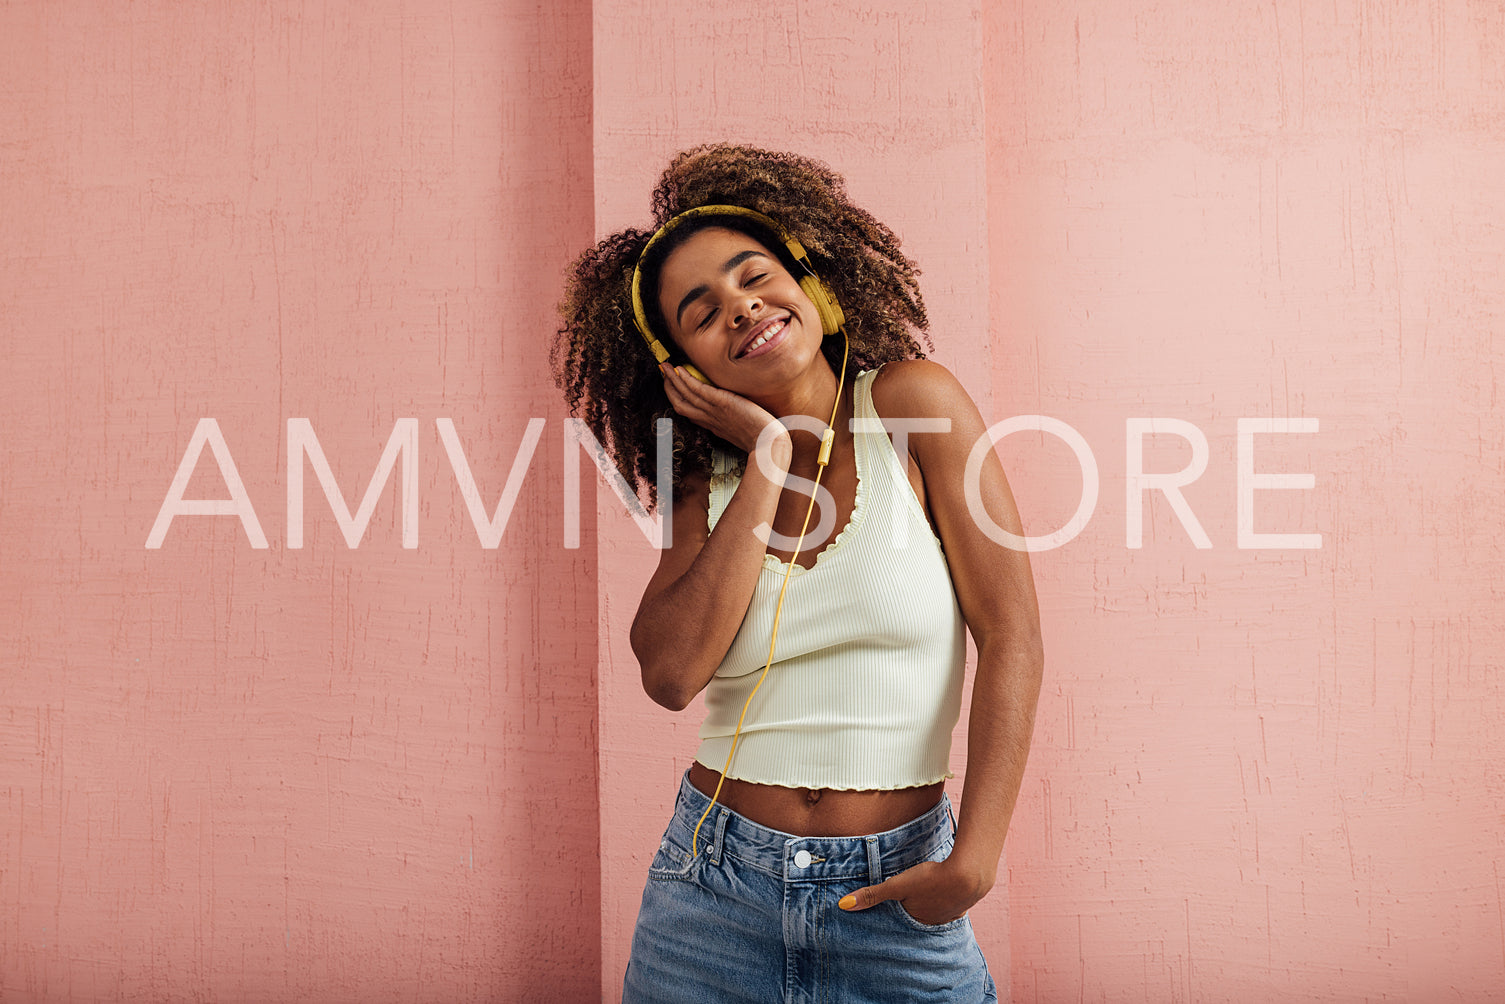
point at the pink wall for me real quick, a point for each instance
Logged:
(1259, 774)
(314, 774)
(320, 773)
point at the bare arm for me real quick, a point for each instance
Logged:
(995, 589)
(694, 603)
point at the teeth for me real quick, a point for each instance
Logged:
(773, 329)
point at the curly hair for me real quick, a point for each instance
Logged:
(599, 358)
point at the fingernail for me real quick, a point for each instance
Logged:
(847, 902)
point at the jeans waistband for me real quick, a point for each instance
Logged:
(807, 859)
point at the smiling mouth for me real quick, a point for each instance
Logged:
(769, 332)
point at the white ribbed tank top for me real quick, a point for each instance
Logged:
(865, 687)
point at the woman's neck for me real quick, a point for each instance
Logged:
(810, 406)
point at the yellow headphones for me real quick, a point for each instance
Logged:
(831, 316)
(832, 320)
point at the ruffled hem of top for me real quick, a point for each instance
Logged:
(810, 781)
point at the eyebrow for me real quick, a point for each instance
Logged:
(699, 291)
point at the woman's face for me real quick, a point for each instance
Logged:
(733, 308)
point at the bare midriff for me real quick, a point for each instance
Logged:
(818, 812)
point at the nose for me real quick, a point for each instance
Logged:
(744, 306)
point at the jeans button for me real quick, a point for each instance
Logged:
(802, 859)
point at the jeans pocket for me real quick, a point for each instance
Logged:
(950, 925)
(672, 862)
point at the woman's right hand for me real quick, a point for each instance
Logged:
(698, 596)
(733, 417)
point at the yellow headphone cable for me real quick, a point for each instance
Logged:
(828, 438)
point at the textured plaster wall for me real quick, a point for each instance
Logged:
(241, 774)
(1259, 774)
(389, 773)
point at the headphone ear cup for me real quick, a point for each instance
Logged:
(831, 315)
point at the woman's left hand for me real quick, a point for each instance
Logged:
(932, 892)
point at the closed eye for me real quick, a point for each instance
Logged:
(751, 280)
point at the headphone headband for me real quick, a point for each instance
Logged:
(830, 311)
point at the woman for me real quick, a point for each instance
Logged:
(812, 854)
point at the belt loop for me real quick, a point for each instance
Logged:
(720, 838)
(947, 799)
(874, 862)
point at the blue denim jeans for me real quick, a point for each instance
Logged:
(753, 917)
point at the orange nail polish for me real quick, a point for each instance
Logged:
(848, 901)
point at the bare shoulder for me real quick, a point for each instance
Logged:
(919, 388)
